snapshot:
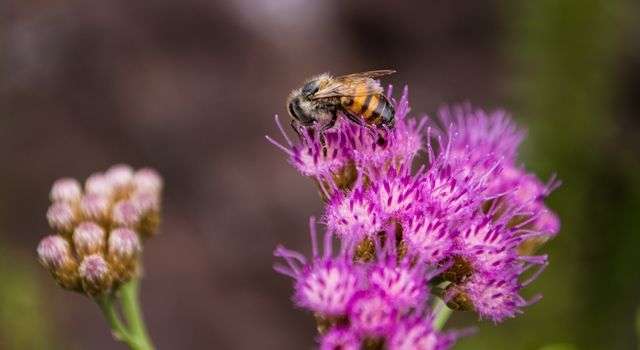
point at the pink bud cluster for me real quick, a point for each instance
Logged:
(99, 228)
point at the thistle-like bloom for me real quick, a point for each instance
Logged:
(429, 236)
(325, 285)
(355, 213)
(371, 314)
(97, 241)
(468, 221)
(339, 338)
(397, 193)
(359, 304)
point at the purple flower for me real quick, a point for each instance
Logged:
(360, 302)
(429, 236)
(371, 313)
(466, 222)
(339, 338)
(492, 296)
(396, 191)
(416, 333)
(354, 215)
(326, 284)
(402, 282)
(494, 134)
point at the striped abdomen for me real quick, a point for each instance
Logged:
(374, 109)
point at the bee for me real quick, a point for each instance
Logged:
(359, 97)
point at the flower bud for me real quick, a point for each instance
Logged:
(98, 183)
(54, 253)
(120, 176)
(88, 239)
(147, 180)
(457, 299)
(148, 204)
(95, 275)
(95, 207)
(124, 247)
(125, 214)
(460, 271)
(66, 190)
(62, 217)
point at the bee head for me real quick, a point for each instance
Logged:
(297, 112)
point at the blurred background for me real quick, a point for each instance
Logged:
(191, 87)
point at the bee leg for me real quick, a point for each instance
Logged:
(332, 122)
(329, 125)
(323, 142)
(380, 141)
(354, 119)
(295, 125)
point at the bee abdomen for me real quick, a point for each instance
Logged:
(375, 109)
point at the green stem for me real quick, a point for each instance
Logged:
(134, 333)
(443, 314)
(117, 328)
(133, 313)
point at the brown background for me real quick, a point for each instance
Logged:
(190, 88)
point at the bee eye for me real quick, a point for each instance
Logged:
(310, 88)
(293, 105)
(295, 110)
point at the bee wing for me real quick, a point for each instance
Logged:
(370, 74)
(356, 84)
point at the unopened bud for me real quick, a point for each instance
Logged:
(88, 238)
(460, 271)
(148, 204)
(98, 183)
(54, 253)
(66, 190)
(95, 275)
(147, 180)
(95, 207)
(124, 247)
(457, 299)
(125, 214)
(62, 217)
(120, 176)
(548, 224)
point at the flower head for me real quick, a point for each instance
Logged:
(416, 333)
(326, 284)
(429, 236)
(339, 338)
(371, 313)
(494, 133)
(396, 191)
(354, 213)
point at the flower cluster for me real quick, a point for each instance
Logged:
(99, 229)
(464, 227)
(373, 302)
